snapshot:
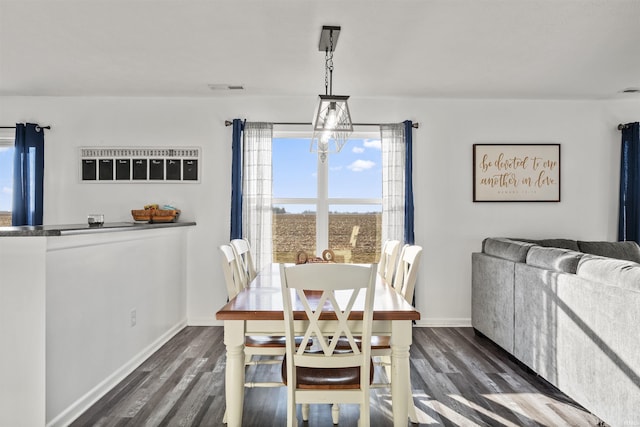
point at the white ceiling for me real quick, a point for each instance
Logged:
(540, 49)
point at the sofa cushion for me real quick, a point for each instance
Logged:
(629, 251)
(553, 243)
(505, 248)
(572, 245)
(554, 259)
(615, 272)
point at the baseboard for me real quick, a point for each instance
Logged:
(447, 322)
(81, 405)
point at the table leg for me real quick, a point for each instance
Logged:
(234, 375)
(400, 345)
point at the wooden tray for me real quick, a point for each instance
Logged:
(155, 215)
(141, 214)
(165, 215)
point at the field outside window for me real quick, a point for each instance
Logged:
(336, 204)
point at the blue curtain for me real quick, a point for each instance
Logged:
(236, 180)
(629, 210)
(28, 175)
(409, 236)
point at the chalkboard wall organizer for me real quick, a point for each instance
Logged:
(139, 164)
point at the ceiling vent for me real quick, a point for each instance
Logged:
(225, 86)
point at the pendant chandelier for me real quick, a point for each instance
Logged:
(332, 123)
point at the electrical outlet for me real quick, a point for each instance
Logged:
(134, 317)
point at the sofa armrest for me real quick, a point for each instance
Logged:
(492, 298)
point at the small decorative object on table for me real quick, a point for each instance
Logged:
(303, 258)
(328, 255)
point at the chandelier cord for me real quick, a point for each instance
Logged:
(326, 72)
(328, 67)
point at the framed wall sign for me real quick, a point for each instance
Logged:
(516, 172)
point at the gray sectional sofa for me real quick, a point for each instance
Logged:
(570, 311)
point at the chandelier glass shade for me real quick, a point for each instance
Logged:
(332, 122)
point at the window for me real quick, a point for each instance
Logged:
(6, 175)
(335, 204)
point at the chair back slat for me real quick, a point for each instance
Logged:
(388, 259)
(246, 266)
(407, 272)
(232, 277)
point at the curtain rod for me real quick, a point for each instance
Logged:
(13, 127)
(229, 123)
(622, 126)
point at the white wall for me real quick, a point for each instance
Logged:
(448, 224)
(93, 283)
(65, 314)
(451, 226)
(22, 331)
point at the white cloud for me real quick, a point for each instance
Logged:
(372, 143)
(7, 190)
(357, 150)
(361, 165)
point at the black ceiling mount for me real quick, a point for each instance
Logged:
(325, 37)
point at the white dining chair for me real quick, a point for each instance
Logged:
(254, 345)
(258, 345)
(404, 283)
(247, 268)
(325, 373)
(388, 259)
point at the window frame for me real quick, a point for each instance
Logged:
(323, 201)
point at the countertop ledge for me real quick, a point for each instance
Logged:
(72, 229)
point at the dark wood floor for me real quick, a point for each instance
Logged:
(458, 379)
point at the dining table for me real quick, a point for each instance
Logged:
(258, 310)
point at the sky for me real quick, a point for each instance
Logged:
(6, 170)
(356, 171)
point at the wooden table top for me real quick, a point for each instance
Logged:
(262, 300)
